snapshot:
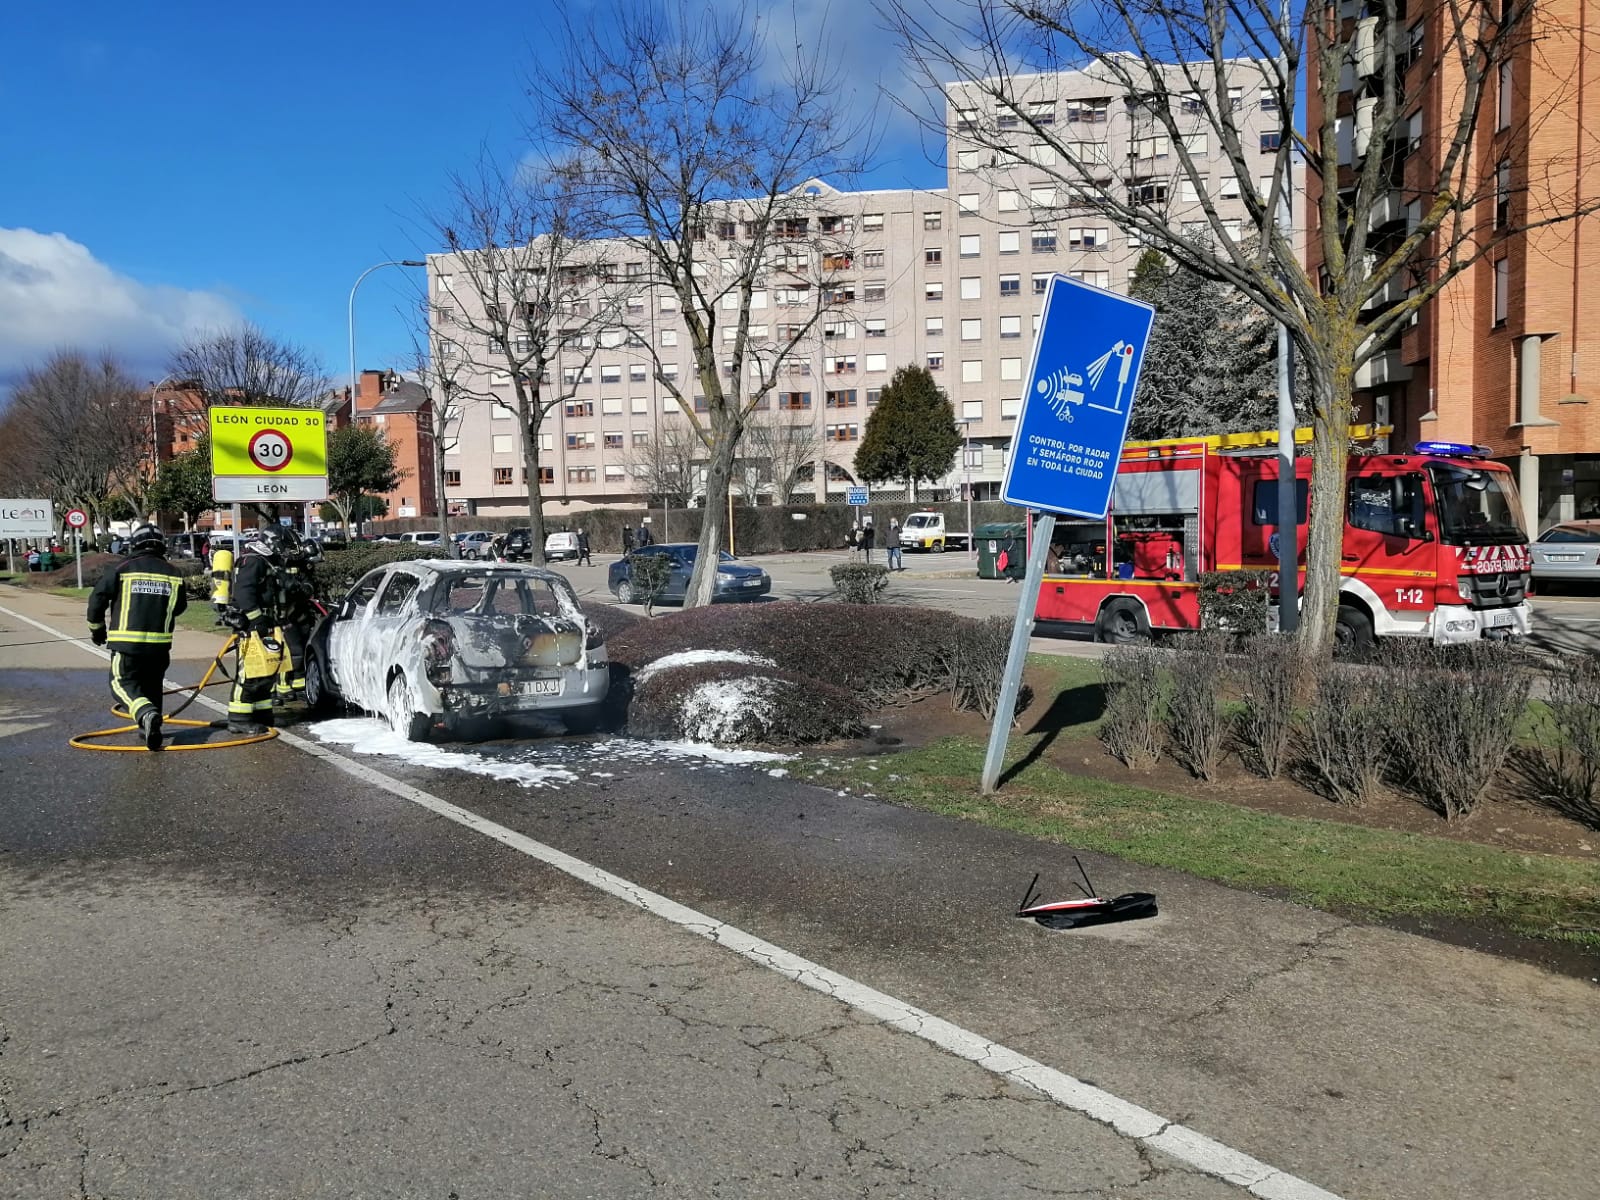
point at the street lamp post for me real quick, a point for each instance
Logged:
(966, 471)
(398, 262)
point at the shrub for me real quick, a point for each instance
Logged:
(859, 583)
(1455, 717)
(741, 702)
(1135, 704)
(339, 570)
(1196, 724)
(1235, 601)
(1343, 736)
(1270, 670)
(975, 658)
(610, 618)
(1570, 739)
(649, 573)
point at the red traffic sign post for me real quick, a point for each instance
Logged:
(270, 450)
(77, 518)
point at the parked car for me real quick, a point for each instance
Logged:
(735, 580)
(429, 645)
(186, 545)
(519, 545)
(423, 537)
(475, 544)
(559, 546)
(1567, 553)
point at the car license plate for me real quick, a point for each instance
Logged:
(751, 583)
(545, 687)
(1500, 617)
(1563, 558)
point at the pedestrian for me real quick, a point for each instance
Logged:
(867, 537)
(132, 611)
(644, 537)
(893, 550)
(34, 558)
(627, 540)
(583, 547)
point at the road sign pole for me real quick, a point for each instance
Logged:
(77, 553)
(1011, 682)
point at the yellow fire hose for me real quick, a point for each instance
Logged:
(83, 741)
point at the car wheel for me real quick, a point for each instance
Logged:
(473, 555)
(403, 719)
(582, 720)
(320, 696)
(625, 591)
(1352, 631)
(938, 547)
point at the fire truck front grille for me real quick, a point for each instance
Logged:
(1505, 590)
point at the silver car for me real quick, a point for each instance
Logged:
(1567, 553)
(430, 644)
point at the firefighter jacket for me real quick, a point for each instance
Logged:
(258, 593)
(142, 599)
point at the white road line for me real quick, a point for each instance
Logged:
(1176, 1141)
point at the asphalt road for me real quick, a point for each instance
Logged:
(252, 972)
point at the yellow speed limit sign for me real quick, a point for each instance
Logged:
(268, 454)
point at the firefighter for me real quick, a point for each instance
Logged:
(298, 612)
(143, 598)
(257, 605)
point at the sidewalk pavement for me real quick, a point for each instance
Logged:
(68, 614)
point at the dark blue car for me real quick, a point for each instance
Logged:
(735, 580)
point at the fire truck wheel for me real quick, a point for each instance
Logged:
(1352, 630)
(1121, 624)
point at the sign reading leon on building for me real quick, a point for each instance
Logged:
(27, 519)
(262, 455)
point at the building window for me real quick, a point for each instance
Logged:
(580, 474)
(1042, 197)
(547, 474)
(936, 362)
(873, 396)
(1271, 141)
(579, 408)
(971, 287)
(1041, 282)
(967, 203)
(639, 404)
(1010, 368)
(794, 401)
(877, 362)
(872, 258)
(969, 160)
(1042, 112)
(839, 364)
(843, 398)
(932, 256)
(876, 328)
(1088, 112)
(1503, 108)
(1188, 191)
(452, 479)
(580, 441)
(872, 291)
(1008, 201)
(971, 245)
(843, 433)
(669, 337)
(503, 476)
(871, 222)
(1502, 291)
(1502, 195)
(933, 326)
(933, 291)
(611, 374)
(1088, 238)
(972, 370)
(613, 441)
(1268, 101)
(641, 437)
(1149, 148)
(1011, 285)
(1044, 239)
(932, 220)
(1009, 241)
(1147, 193)
(500, 443)
(1010, 327)
(1042, 154)
(1228, 187)
(1099, 279)
(972, 410)
(611, 406)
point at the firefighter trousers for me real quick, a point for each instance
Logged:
(138, 679)
(292, 677)
(255, 670)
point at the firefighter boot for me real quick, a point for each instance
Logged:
(150, 728)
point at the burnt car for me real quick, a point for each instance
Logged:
(434, 644)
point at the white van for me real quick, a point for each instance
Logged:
(559, 546)
(420, 537)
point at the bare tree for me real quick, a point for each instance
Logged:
(525, 291)
(708, 172)
(79, 428)
(668, 468)
(1180, 69)
(783, 445)
(245, 365)
(440, 364)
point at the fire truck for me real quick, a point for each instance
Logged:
(1434, 545)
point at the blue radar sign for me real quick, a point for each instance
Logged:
(1079, 394)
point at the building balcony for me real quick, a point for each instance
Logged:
(1381, 370)
(1388, 213)
(1390, 294)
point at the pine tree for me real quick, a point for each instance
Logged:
(912, 434)
(1211, 365)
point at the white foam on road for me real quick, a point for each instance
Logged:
(367, 735)
(1178, 1142)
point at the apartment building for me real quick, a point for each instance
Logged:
(1508, 354)
(949, 278)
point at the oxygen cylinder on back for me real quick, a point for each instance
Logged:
(222, 578)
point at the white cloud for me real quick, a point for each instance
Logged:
(54, 293)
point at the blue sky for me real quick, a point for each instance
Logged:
(184, 165)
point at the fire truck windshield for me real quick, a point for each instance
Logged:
(1477, 507)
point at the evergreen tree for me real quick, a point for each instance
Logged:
(912, 434)
(183, 484)
(1211, 365)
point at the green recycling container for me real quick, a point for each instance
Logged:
(1002, 538)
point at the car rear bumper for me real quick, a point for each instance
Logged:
(508, 697)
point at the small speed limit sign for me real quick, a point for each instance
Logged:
(270, 450)
(77, 518)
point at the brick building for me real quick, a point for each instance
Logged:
(402, 410)
(1508, 355)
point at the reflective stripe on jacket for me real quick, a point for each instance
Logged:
(138, 603)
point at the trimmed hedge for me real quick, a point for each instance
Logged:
(859, 583)
(339, 570)
(739, 702)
